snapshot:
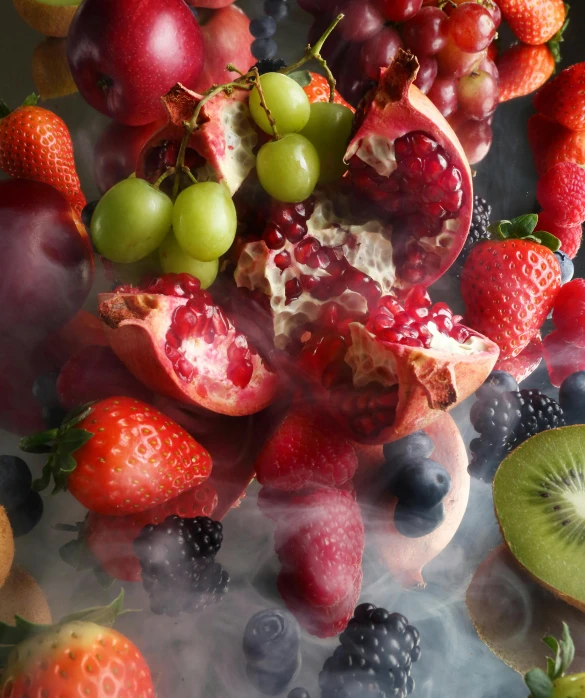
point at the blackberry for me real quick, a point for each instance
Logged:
(374, 658)
(478, 231)
(269, 65)
(505, 421)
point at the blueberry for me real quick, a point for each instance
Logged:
(45, 389)
(87, 213)
(417, 445)
(271, 637)
(567, 266)
(269, 65)
(15, 481)
(263, 27)
(299, 693)
(414, 523)
(276, 8)
(420, 483)
(271, 683)
(26, 516)
(572, 398)
(262, 49)
(496, 383)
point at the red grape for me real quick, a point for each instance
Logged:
(351, 81)
(453, 62)
(335, 45)
(362, 20)
(379, 51)
(472, 27)
(426, 33)
(477, 95)
(476, 139)
(488, 66)
(426, 74)
(399, 10)
(443, 94)
(494, 9)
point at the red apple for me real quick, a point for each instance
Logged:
(213, 4)
(125, 54)
(227, 38)
(117, 150)
(46, 261)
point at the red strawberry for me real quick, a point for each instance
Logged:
(110, 538)
(534, 21)
(570, 237)
(563, 99)
(36, 144)
(561, 192)
(509, 284)
(74, 658)
(527, 361)
(552, 143)
(121, 456)
(318, 91)
(523, 69)
(305, 451)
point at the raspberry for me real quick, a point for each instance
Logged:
(569, 307)
(564, 353)
(570, 237)
(561, 192)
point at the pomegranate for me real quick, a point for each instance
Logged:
(220, 149)
(175, 340)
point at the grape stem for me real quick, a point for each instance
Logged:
(164, 175)
(269, 116)
(313, 53)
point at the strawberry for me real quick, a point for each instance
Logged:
(523, 69)
(120, 456)
(561, 192)
(527, 361)
(509, 283)
(570, 237)
(76, 657)
(306, 450)
(36, 144)
(563, 99)
(317, 89)
(534, 21)
(552, 143)
(107, 540)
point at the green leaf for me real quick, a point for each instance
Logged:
(68, 528)
(4, 109)
(42, 482)
(78, 414)
(71, 552)
(41, 439)
(103, 578)
(302, 77)
(66, 463)
(567, 649)
(546, 239)
(555, 43)
(73, 439)
(31, 101)
(524, 225)
(539, 683)
(102, 615)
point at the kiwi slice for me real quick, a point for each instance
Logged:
(539, 497)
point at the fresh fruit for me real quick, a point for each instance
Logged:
(174, 260)
(46, 243)
(477, 95)
(15, 481)
(526, 362)
(179, 571)
(50, 69)
(443, 94)
(130, 221)
(36, 144)
(427, 74)
(471, 27)
(386, 645)
(497, 383)
(305, 451)
(167, 48)
(552, 143)
(328, 129)
(561, 192)
(379, 51)
(107, 443)
(567, 267)
(205, 221)
(564, 347)
(288, 168)
(478, 231)
(572, 398)
(418, 522)
(420, 483)
(570, 237)
(534, 21)
(507, 303)
(299, 693)
(562, 99)
(271, 646)
(48, 17)
(399, 10)
(504, 421)
(318, 90)
(22, 596)
(35, 658)
(24, 517)
(175, 340)
(226, 39)
(476, 139)
(416, 445)
(534, 497)
(455, 63)
(212, 4)
(6, 546)
(361, 20)
(427, 32)
(286, 101)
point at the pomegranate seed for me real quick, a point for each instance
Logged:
(282, 261)
(240, 373)
(305, 249)
(292, 290)
(273, 238)
(184, 369)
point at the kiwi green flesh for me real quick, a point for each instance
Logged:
(59, 3)
(539, 497)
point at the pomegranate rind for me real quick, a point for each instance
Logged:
(398, 107)
(136, 326)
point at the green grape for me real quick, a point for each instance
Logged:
(174, 260)
(130, 221)
(329, 129)
(147, 268)
(288, 103)
(288, 168)
(205, 221)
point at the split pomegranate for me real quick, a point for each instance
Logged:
(173, 337)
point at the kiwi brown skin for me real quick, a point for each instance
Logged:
(50, 69)
(22, 596)
(50, 20)
(6, 546)
(512, 613)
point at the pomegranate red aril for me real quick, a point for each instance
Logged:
(282, 260)
(443, 94)
(293, 290)
(274, 238)
(427, 32)
(379, 51)
(426, 74)
(477, 95)
(471, 26)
